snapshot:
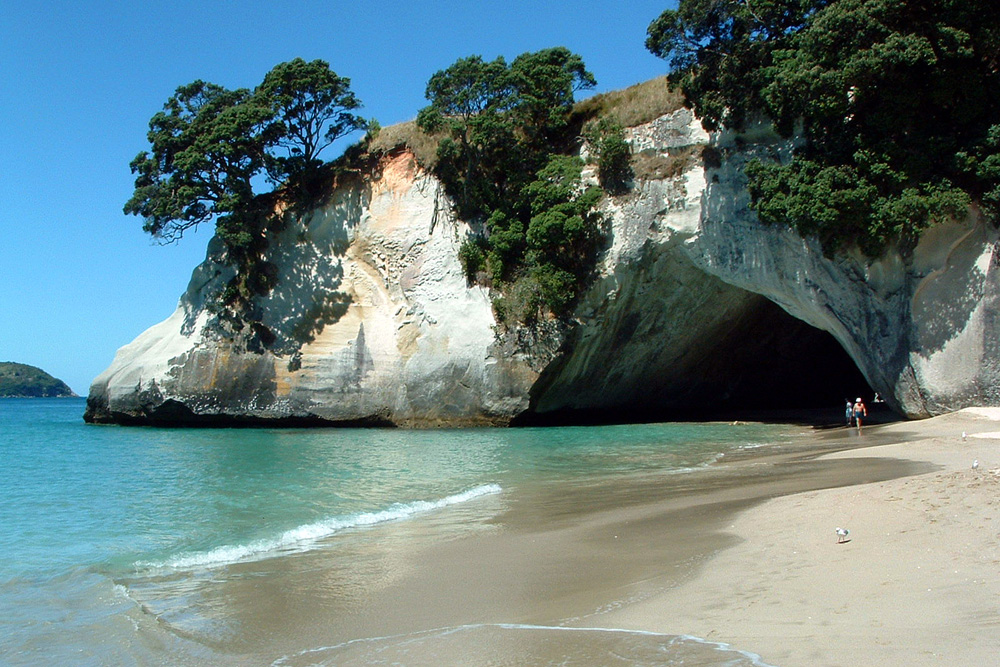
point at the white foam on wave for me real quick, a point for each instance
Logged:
(329, 655)
(301, 537)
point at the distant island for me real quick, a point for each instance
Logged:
(24, 381)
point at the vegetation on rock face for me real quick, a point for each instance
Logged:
(501, 122)
(635, 105)
(897, 102)
(504, 129)
(23, 381)
(210, 146)
(497, 134)
(606, 137)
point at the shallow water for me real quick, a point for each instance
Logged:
(130, 545)
(513, 644)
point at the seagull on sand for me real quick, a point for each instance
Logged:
(842, 534)
(975, 464)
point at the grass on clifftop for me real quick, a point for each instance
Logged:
(634, 105)
(630, 106)
(408, 135)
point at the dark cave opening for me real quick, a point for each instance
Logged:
(777, 362)
(767, 366)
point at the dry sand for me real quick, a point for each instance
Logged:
(915, 584)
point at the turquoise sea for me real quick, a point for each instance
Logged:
(130, 545)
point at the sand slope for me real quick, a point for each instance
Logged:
(916, 584)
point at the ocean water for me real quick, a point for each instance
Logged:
(133, 545)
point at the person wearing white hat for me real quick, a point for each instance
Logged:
(859, 412)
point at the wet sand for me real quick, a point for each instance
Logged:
(743, 552)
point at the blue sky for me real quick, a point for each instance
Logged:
(79, 82)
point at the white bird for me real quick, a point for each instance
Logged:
(963, 436)
(842, 534)
(975, 464)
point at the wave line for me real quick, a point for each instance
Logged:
(301, 537)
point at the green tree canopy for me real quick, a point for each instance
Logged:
(312, 108)
(504, 128)
(501, 122)
(718, 49)
(545, 83)
(550, 256)
(897, 101)
(206, 146)
(471, 102)
(209, 143)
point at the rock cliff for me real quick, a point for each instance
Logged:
(696, 305)
(921, 324)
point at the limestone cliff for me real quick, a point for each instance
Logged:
(696, 304)
(373, 320)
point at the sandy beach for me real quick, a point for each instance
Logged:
(915, 583)
(742, 552)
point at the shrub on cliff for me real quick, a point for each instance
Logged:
(502, 121)
(549, 258)
(896, 101)
(472, 258)
(613, 154)
(505, 127)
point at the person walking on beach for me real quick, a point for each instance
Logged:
(859, 412)
(848, 411)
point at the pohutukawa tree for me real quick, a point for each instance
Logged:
(897, 101)
(209, 144)
(208, 148)
(312, 108)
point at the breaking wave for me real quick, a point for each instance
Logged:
(301, 537)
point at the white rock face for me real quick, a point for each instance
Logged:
(922, 330)
(374, 321)
(373, 318)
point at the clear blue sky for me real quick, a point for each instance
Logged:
(79, 82)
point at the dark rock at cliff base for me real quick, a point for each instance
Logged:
(24, 381)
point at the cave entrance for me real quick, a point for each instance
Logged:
(777, 363)
(762, 365)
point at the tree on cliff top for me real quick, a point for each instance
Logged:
(209, 143)
(897, 101)
(501, 121)
(312, 108)
(208, 147)
(505, 126)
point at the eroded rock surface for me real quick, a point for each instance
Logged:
(696, 305)
(373, 320)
